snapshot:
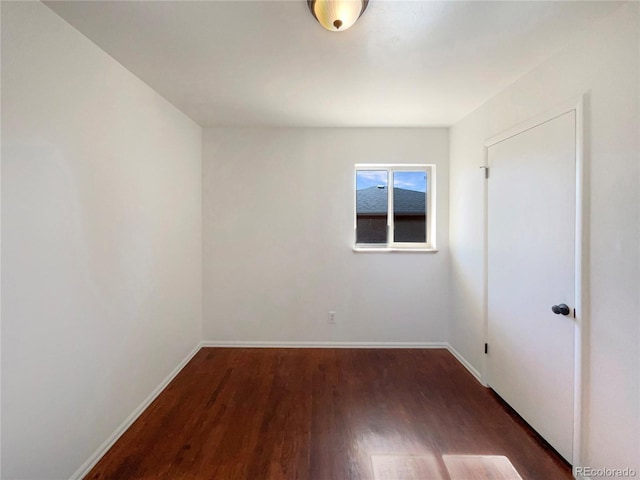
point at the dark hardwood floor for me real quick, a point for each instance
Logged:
(327, 414)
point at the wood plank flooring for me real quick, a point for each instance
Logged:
(328, 414)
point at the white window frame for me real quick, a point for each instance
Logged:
(391, 246)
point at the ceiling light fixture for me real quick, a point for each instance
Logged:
(337, 15)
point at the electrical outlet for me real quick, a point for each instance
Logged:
(331, 319)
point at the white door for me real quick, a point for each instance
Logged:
(531, 267)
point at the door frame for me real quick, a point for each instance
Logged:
(581, 274)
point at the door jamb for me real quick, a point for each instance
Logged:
(580, 274)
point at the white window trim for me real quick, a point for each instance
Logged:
(430, 245)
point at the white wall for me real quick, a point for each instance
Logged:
(101, 249)
(604, 65)
(278, 236)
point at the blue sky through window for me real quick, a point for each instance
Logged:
(370, 178)
(415, 181)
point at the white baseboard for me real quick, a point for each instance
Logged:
(465, 363)
(263, 344)
(251, 344)
(91, 462)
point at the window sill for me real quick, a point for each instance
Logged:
(393, 250)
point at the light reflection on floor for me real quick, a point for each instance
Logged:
(405, 467)
(427, 467)
(471, 467)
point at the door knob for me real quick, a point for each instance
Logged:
(561, 309)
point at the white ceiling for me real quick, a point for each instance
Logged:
(269, 63)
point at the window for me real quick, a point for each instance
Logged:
(402, 219)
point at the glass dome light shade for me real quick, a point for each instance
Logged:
(337, 15)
